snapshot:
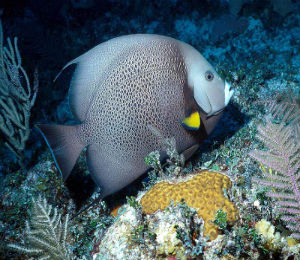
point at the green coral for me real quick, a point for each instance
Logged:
(221, 219)
(174, 165)
(132, 202)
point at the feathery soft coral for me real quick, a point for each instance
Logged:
(282, 160)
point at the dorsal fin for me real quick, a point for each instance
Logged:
(66, 66)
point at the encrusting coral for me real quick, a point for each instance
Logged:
(204, 192)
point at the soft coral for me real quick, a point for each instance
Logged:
(282, 160)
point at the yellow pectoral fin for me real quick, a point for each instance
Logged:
(192, 122)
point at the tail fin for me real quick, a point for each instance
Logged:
(64, 145)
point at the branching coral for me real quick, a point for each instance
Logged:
(46, 236)
(17, 97)
(281, 135)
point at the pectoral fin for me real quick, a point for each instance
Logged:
(190, 151)
(192, 122)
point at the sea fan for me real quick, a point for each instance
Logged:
(281, 135)
(46, 236)
(284, 107)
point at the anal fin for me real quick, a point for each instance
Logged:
(64, 145)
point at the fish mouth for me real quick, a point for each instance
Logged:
(209, 115)
(227, 93)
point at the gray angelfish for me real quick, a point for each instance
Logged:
(124, 88)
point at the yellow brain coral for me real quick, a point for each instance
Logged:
(204, 192)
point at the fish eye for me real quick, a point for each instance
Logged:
(209, 75)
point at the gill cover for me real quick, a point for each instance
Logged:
(212, 99)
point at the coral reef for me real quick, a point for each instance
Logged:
(118, 242)
(204, 192)
(254, 45)
(157, 236)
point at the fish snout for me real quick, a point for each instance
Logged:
(228, 92)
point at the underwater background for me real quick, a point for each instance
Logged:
(249, 166)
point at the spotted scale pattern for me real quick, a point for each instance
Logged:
(141, 90)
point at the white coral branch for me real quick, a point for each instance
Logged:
(47, 234)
